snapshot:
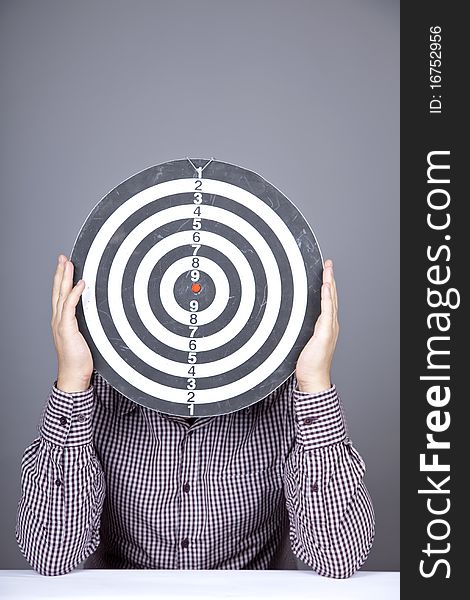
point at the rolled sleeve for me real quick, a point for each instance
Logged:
(319, 418)
(67, 417)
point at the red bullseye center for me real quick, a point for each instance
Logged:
(196, 288)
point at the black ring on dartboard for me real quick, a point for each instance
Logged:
(215, 227)
(182, 289)
(253, 321)
(160, 347)
(157, 307)
(244, 179)
(230, 271)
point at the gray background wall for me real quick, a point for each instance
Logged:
(305, 93)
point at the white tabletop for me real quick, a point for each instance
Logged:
(204, 585)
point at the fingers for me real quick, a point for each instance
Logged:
(328, 320)
(328, 277)
(56, 283)
(327, 307)
(65, 297)
(68, 309)
(65, 287)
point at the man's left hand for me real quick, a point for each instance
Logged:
(314, 363)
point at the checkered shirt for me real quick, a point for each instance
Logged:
(118, 485)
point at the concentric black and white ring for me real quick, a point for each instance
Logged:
(255, 322)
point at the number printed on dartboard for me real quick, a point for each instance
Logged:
(195, 290)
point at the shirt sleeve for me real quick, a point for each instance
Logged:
(62, 486)
(331, 518)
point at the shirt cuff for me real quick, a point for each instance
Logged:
(319, 418)
(67, 416)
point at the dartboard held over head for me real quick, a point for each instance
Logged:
(202, 286)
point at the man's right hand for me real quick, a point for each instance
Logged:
(74, 360)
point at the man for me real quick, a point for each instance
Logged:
(126, 487)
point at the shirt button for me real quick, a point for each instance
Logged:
(81, 418)
(63, 420)
(58, 482)
(309, 420)
(315, 487)
(186, 487)
(185, 543)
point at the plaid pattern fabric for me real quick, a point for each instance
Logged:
(123, 486)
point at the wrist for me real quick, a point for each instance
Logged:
(313, 386)
(73, 384)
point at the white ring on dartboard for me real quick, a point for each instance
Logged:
(206, 265)
(299, 299)
(142, 304)
(155, 253)
(221, 365)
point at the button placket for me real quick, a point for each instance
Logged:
(189, 461)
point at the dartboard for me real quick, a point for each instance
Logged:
(202, 286)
